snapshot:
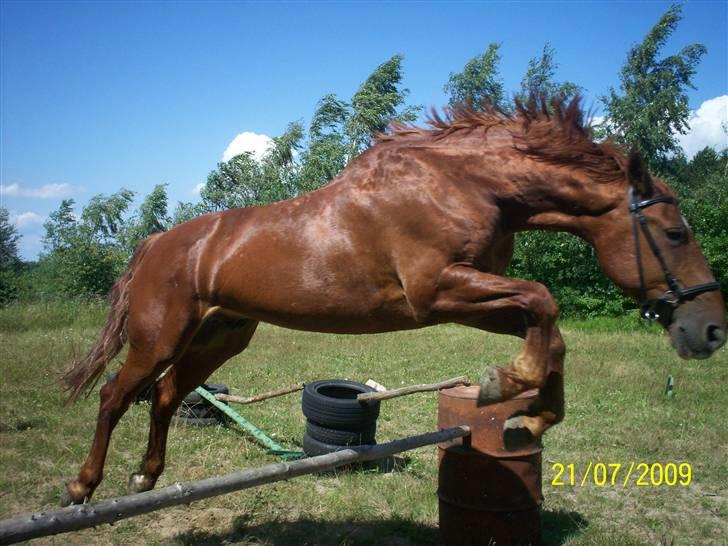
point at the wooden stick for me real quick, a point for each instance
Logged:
(73, 518)
(462, 380)
(258, 398)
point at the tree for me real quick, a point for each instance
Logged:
(653, 106)
(280, 169)
(186, 211)
(83, 256)
(8, 241)
(326, 152)
(9, 260)
(479, 83)
(104, 215)
(376, 104)
(538, 81)
(232, 184)
(151, 218)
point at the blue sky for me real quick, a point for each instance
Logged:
(95, 96)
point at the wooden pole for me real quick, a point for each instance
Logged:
(259, 397)
(384, 395)
(73, 518)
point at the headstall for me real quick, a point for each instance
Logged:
(660, 309)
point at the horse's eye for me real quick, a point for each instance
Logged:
(677, 236)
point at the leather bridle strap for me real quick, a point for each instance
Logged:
(660, 309)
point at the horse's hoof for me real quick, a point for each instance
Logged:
(67, 499)
(139, 482)
(490, 390)
(516, 434)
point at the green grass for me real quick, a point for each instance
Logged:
(616, 413)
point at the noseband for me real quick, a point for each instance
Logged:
(662, 308)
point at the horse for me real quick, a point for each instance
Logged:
(416, 231)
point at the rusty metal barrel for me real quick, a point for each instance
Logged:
(488, 495)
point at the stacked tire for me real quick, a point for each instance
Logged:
(335, 419)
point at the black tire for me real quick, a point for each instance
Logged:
(213, 388)
(341, 437)
(312, 447)
(195, 408)
(332, 403)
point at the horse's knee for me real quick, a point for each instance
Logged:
(164, 395)
(541, 303)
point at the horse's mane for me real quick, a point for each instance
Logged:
(557, 135)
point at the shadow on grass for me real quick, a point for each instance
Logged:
(558, 527)
(395, 532)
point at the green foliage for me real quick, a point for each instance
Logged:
(280, 170)
(702, 188)
(233, 184)
(375, 105)
(83, 257)
(103, 215)
(479, 82)
(653, 106)
(568, 266)
(185, 211)
(150, 218)
(538, 81)
(326, 153)
(8, 241)
(9, 261)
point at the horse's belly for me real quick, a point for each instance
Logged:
(335, 301)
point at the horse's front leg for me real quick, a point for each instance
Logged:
(523, 308)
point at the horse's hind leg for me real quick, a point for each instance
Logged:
(219, 339)
(116, 395)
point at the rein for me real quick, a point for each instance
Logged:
(662, 308)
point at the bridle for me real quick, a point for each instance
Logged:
(662, 308)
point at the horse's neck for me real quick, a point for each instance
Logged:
(555, 198)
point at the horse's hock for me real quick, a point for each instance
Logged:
(488, 495)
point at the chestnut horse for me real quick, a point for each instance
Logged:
(418, 230)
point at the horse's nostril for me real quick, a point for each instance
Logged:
(714, 335)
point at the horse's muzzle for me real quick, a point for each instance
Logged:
(696, 339)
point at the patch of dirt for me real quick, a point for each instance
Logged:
(169, 524)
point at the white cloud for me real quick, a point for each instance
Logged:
(46, 191)
(30, 229)
(25, 220)
(248, 142)
(198, 188)
(705, 127)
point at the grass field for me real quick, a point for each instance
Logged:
(616, 413)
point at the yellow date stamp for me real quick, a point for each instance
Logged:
(623, 474)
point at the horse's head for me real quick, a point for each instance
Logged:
(646, 248)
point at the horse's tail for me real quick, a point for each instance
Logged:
(83, 373)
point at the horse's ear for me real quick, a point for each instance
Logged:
(639, 176)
